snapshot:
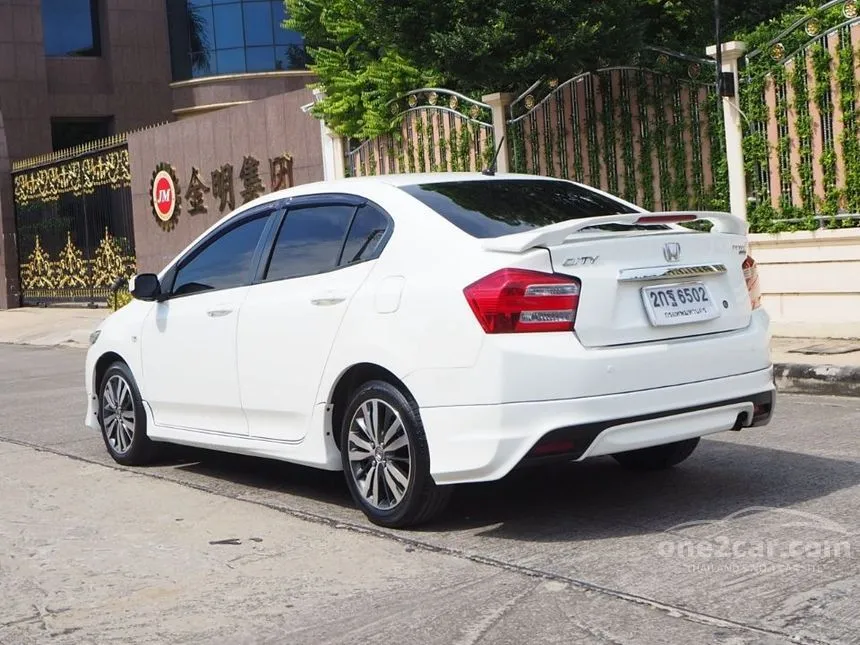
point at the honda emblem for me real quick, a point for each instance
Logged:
(672, 252)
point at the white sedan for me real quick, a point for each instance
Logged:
(420, 331)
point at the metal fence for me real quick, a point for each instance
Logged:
(438, 130)
(649, 132)
(73, 216)
(801, 134)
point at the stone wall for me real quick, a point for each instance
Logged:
(808, 281)
(247, 137)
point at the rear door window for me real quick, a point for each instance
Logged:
(366, 236)
(491, 208)
(310, 241)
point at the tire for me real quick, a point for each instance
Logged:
(657, 457)
(124, 434)
(371, 439)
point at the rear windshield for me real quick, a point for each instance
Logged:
(491, 208)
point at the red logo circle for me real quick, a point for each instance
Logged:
(164, 195)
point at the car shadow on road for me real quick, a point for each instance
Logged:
(259, 474)
(597, 499)
(592, 500)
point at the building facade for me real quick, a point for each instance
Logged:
(74, 71)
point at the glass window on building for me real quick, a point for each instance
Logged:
(215, 37)
(68, 133)
(71, 27)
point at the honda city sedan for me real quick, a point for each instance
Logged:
(422, 331)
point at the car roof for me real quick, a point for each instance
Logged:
(356, 184)
(410, 179)
(359, 186)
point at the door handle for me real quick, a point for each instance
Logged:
(219, 313)
(327, 301)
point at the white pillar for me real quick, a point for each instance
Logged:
(334, 153)
(732, 52)
(333, 149)
(499, 103)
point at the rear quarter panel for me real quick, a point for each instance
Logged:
(410, 314)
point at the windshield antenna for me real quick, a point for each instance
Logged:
(492, 169)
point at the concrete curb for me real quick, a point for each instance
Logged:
(63, 344)
(831, 380)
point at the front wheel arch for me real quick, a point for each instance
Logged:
(128, 417)
(101, 367)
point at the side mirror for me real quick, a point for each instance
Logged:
(145, 286)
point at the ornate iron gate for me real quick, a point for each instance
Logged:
(73, 217)
(438, 130)
(650, 132)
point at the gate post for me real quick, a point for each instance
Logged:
(9, 288)
(333, 149)
(334, 153)
(9, 291)
(499, 104)
(731, 53)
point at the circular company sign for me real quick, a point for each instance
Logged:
(163, 196)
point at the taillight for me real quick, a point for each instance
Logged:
(520, 300)
(751, 278)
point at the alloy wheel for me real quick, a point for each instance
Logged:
(118, 414)
(380, 456)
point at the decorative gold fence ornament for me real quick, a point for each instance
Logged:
(78, 177)
(70, 271)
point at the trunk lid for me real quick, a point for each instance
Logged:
(640, 286)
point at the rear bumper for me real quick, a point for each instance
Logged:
(485, 442)
(513, 368)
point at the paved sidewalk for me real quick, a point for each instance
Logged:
(817, 365)
(50, 326)
(804, 363)
(817, 351)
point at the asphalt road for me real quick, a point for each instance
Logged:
(756, 538)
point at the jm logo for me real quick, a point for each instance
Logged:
(672, 252)
(164, 195)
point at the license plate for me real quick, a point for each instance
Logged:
(679, 304)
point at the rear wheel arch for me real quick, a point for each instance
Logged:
(385, 457)
(352, 379)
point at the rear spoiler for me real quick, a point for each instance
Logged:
(555, 234)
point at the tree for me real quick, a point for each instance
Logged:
(495, 45)
(742, 15)
(367, 52)
(690, 27)
(357, 69)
